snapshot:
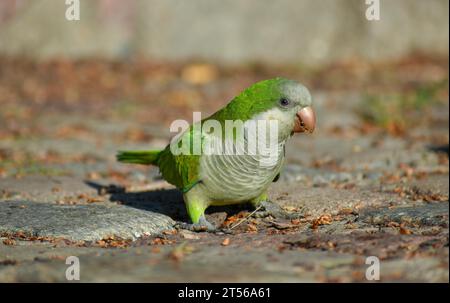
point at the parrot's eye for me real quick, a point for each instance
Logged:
(285, 102)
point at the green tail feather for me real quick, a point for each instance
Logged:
(139, 157)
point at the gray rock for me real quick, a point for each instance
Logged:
(80, 222)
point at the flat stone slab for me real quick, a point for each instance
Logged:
(80, 222)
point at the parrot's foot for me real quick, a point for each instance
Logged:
(202, 226)
(269, 208)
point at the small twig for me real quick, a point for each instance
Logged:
(246, 218)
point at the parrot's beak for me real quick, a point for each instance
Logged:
(305, 120)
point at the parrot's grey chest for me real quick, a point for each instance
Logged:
(238, 178)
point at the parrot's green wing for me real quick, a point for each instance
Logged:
(180, 170)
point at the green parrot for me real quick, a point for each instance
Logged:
(229, 178)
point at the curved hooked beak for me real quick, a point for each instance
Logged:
(305, 120)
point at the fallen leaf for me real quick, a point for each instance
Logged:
(189, 235)
(322, 220)
(295, 221)
(9, 242)
(405, 231)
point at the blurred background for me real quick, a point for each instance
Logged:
(73, 92)
(286, 31)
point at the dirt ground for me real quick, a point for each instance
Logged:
(373, 180)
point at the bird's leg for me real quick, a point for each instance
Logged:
(196, 205)
(201, 225)
(269, 208)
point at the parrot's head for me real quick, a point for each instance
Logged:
(284, 100)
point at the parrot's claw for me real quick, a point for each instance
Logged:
(196, 227)
(269, 208)
(202, 226)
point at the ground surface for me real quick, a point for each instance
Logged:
(361, 186)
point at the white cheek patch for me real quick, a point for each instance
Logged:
(274, 114)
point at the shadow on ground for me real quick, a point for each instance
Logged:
(168, 202)
(439, 148)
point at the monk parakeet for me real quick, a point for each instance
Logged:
(220, 178)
